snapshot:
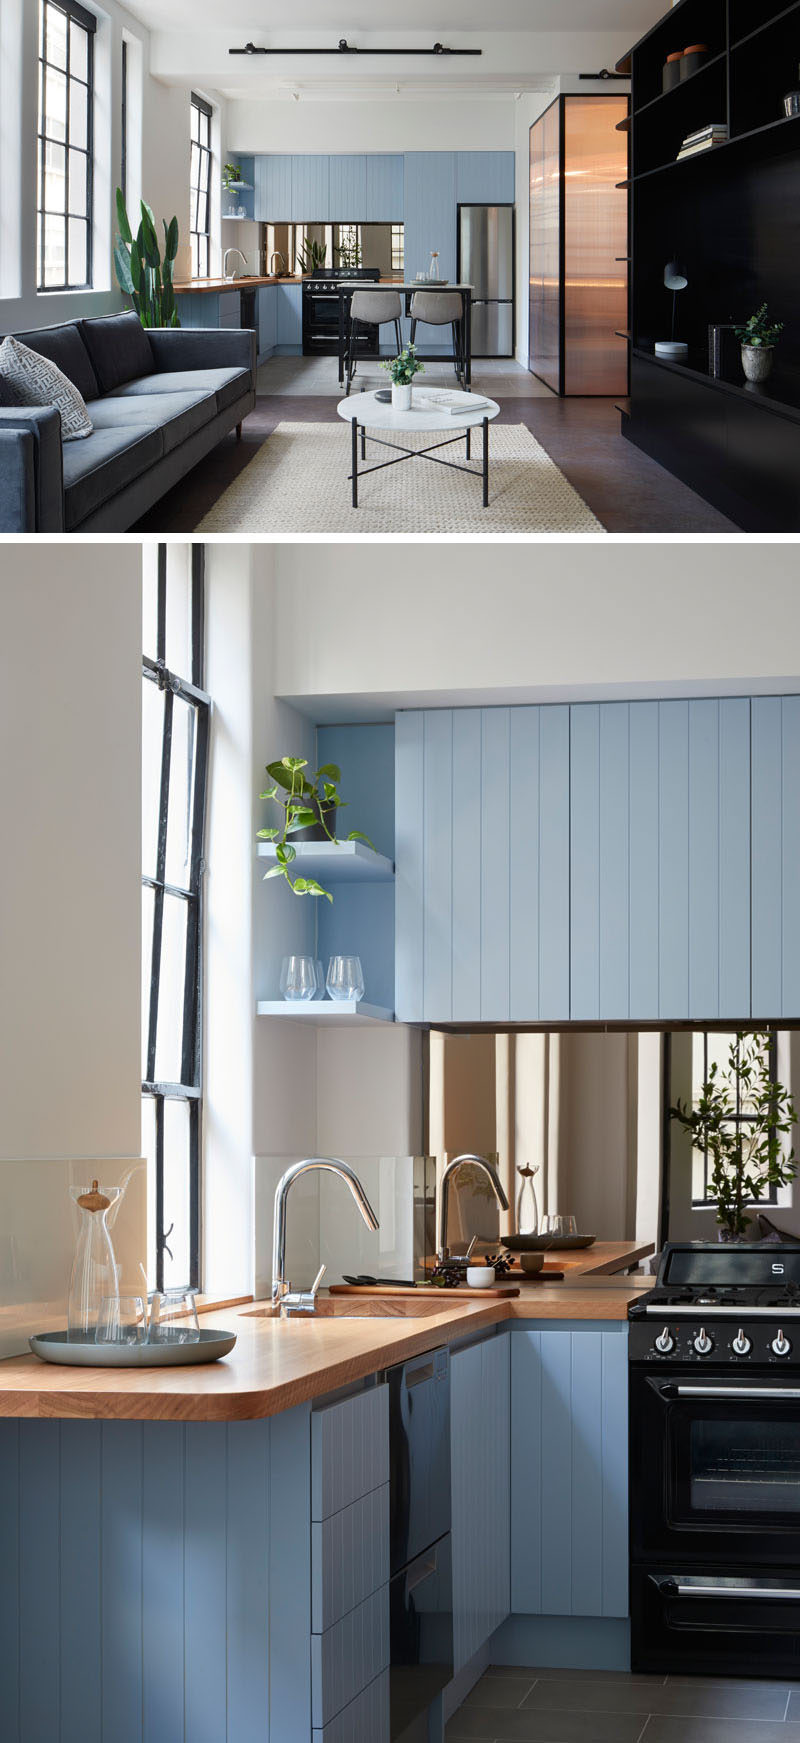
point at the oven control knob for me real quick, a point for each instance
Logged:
(741, 1345)
(780, 1345)
(665, 1341)
(702, 1342)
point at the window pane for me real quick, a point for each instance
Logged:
(148, 903)
(194, 167)
(202, 213)
(149, 1151)
(179, 610)
(194, 121)
(195, 267)
(152, 732)
(78, 180)
(150, 601)
(55, 103)
(176, 1191)
(78, 51)
(169, 1036)
(56, 37)
(78, 115)
(55, 159)
(205, 170)
(78, 251)
(55, 251)
(181, 770)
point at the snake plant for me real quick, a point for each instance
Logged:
(141, 272)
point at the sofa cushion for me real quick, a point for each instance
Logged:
(39, 382)
(177, 415)
(64, 347)
(119, 349)
(109, 459)
(226, 384)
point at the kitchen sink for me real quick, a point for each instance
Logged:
(366, 1307)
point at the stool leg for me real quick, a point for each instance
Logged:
(413, 332)
(363, 441)
(398, 340)
(486, 462)
(469, 445)
(354, 458)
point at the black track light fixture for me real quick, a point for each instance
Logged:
(344, 47)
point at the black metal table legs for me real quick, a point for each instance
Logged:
(359, 433)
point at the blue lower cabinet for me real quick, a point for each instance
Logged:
(289, 317)
(569, 1470)
(267, 319)
(198, 308)
(480, 1483)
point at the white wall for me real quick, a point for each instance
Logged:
(70, 904)
(389, 123)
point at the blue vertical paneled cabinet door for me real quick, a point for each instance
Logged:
(384, 188)
(776, 856)
(430, 211)
(485, 178)
(480, 1382)
(347, 197)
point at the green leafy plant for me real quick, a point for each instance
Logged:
(304, 803)
(141, 273)
(403, 368)
(349, 254)
(749, 1156)
(760, 331)
(231, 174)
(310, 255)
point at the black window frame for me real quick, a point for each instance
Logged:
(190, 1087)
(86, 21)
(123, 161)
(199, 237)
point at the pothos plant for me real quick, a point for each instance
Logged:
(304, 803)
(747, 1156)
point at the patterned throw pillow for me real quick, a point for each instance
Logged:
(34, 380)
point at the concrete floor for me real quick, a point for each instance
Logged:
(627, 490)
(561, 1706)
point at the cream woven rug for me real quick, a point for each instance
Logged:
(297, 482)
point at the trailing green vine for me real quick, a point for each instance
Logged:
(304, 804)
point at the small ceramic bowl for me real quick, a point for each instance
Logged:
(531, 1263)
(480, 1276)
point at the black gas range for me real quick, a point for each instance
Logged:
(714, 1471)
(321, 300)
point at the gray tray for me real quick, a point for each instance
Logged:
(57, 1346)
(546, 1243)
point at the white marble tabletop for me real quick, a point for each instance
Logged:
(379, 414)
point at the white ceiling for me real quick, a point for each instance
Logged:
(243, 20)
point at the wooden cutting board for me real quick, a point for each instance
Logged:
(422, 1289)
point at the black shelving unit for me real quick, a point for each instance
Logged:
(730, 216)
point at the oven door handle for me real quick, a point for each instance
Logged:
(670, 1390)
(673, 1586)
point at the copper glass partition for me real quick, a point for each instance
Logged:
(578, 245)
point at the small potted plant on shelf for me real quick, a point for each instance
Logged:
(758, 339)
(742, 1121)
(309, 810)
(402, 370)
(231, 176)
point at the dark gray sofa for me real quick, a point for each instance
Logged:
(159, 400)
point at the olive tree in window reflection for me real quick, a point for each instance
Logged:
(742, 1123)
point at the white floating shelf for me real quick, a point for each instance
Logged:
(323, 1011)
(339, 862)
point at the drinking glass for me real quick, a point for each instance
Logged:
(122, 1319)
(298, 977)
(563, 1227)
(345, 978)
(320, 968)
(173, 1317)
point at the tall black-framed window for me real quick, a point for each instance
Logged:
(200, 186)
(176, 713)
(65, 142)
(123, 164)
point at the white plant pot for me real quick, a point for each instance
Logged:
(757, 361)
(401, 396)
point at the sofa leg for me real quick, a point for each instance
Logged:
(238, 432)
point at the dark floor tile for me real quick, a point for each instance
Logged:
(660, 1729)
(794, 1706)
(688, 1699)
(482, 1725)
(500, 1691)
(564, 1673)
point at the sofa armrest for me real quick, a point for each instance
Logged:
(203, 348)
(31, 470)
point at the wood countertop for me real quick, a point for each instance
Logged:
(200, 286)
(279, 1363)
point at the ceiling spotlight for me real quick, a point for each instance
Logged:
(295, 96)
(250, 48)
(397, 90)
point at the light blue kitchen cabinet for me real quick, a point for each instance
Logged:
(659, 860)
(776, 856)
(198, 308)
(485, 178)
(384, 198)
(429, 207)
(311, 188)
(569, 1470)
(272, 176)
(480, 1492)
(347, 198)
(289, 317)
(267, 319)
(482, 857)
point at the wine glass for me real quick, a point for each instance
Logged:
(173, 1317)
(345, 978)
(298, 977)
(122, 1319)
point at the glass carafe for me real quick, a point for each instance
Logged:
(433, 269)
(94, 1270)
(527, 1210)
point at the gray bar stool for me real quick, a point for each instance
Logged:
(441, 309)
(370, 308)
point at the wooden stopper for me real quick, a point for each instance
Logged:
(94, 1200)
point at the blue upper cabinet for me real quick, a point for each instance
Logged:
(347, 202)
(482, 853)
(659, 861)
(384, 198)
(776, 856)
(429, 207)
(272, 177)
(311, 189)
(485, 178)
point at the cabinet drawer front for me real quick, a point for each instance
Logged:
(349, 1451)
(348, 1657)
(349, 1558)
(366, 1720)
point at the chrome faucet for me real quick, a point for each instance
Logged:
(230, 276)
(277, 256)
(282, 1296)
(444, 1193)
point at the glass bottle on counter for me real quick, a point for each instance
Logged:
(94, 1272)
(433, 269)
(526, 1208)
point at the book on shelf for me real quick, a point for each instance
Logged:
(702, 145)
(717, 128)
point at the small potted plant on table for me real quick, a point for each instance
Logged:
(402, 370)
(758, 339)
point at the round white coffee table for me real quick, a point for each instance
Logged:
(365, 412)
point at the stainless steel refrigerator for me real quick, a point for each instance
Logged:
(486, 261)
